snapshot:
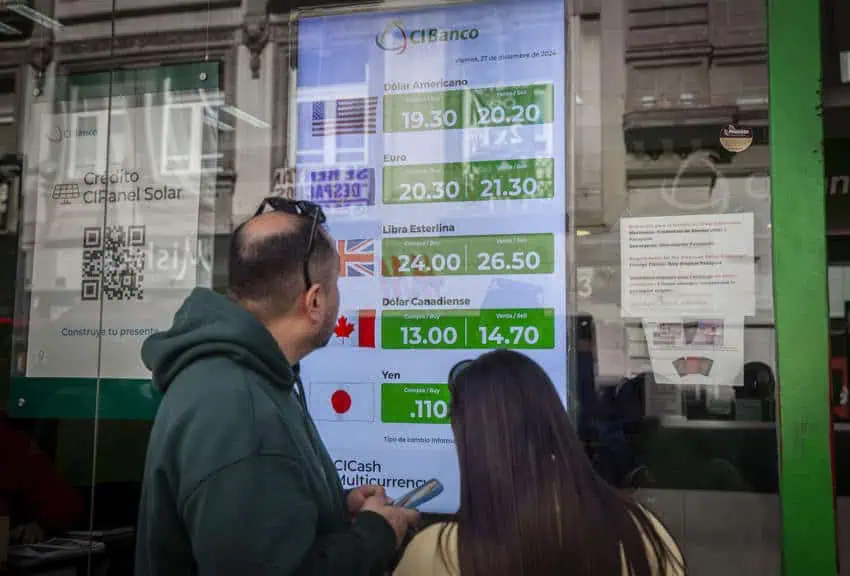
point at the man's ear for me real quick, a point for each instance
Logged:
(313, 300)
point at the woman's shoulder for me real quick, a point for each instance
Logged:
(432, 552)
(440, 538)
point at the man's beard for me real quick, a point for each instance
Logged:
(324, 335)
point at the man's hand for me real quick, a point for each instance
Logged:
(400, 519)
(358, 496)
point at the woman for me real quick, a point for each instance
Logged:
(530, 501)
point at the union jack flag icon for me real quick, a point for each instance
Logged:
(356, 257)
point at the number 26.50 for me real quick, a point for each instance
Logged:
(518, 261)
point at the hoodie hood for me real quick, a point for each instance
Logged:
(210, 324)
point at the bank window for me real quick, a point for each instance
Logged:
(588, 107)
(120, 136)
(180, 143)
(532, 141)
(88, 132)
(333, 125)
(190, 132)
(213, 123)
(210, 154)
(316, 147)
(351, 149)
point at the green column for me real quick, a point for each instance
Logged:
(800, 288)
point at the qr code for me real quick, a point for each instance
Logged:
(113, 263)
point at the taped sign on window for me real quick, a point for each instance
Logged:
(284, 184)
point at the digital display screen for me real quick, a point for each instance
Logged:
(434, 139)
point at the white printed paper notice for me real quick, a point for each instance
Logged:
(696, 351)
(687, 265)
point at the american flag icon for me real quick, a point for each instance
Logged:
(350, 116)
(356, 257)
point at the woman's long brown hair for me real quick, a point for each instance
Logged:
(530, 502)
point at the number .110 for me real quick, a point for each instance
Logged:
(431, 409)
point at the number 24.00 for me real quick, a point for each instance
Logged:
(419, 263)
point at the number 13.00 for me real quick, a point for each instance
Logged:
(413, 336)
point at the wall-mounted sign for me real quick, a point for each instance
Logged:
(115, 253)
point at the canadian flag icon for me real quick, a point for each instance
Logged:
(333, 402)
(354, 329)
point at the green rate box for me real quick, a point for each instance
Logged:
(525, 179)
(415, 403)
(518, 328)
(532, 104)
(468, 255)
(424, 329)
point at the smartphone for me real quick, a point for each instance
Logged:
(418, 496)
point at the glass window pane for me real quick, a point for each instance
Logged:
(836, 126)
(129, 160)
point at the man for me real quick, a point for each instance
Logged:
(237, 481)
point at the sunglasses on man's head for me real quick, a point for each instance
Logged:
(294, 207)
(301, 208)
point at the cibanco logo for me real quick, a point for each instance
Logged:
(393, 38)
(58, 134)
(396, 38)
